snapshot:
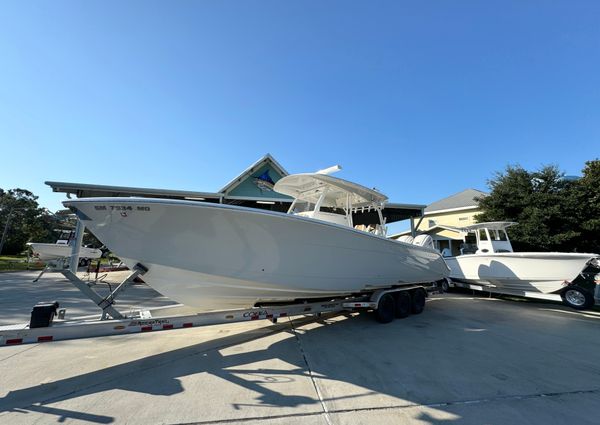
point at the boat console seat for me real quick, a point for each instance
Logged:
(467, 248)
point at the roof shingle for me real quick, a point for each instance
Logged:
(466, 198)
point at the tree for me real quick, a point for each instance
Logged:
(22, 220)
(587, 197)
(542, 202)
(28, 222)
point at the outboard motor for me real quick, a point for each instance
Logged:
(425, 241)
(406, 239)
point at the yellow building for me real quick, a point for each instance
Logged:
(456, 210)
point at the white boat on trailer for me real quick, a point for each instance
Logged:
(48, 322)
(488, 263)
(215, 257)
(63, 249)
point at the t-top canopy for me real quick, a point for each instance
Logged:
(309, 187)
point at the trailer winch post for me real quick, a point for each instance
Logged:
(105, 303)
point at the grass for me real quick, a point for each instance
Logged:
(13, 258)
(9, 263)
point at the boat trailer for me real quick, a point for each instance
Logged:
(48, 322)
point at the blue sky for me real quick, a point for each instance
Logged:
(418, 99)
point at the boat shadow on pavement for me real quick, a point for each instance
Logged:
(441, 360)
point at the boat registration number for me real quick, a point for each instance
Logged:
(120, 208)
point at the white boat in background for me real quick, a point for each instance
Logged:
(62, 249)
(488, 263)
(215, 256)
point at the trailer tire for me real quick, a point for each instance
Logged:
(403, 304)
(385, 309)
(84, 262)
(445, 285)
(577, 298)
(417, 304)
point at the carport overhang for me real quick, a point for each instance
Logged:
(82, 190)
(392, 212)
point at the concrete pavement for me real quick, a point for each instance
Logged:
(464, 360)
(18, 294)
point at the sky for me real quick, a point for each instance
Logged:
(418, 99)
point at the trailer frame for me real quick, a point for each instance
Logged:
(112, 322)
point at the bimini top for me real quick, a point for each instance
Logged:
(309, 187)
(492, 225)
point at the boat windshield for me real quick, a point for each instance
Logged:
(498, 235)
(484, 238)
(65, 237)
(493, 239)
(300, 207)
(303, 207)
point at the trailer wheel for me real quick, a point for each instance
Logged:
(445, 285)
(577, 298)
(417, 304)
(402, 304)
(385, 309)
(83, 262)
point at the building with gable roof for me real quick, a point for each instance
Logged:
(252, 188)
(456, 210)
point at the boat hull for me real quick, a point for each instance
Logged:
(519, 273)
(214, 256)
(52, 251)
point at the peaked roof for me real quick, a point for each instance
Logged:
(461, 200)
(267, 159)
